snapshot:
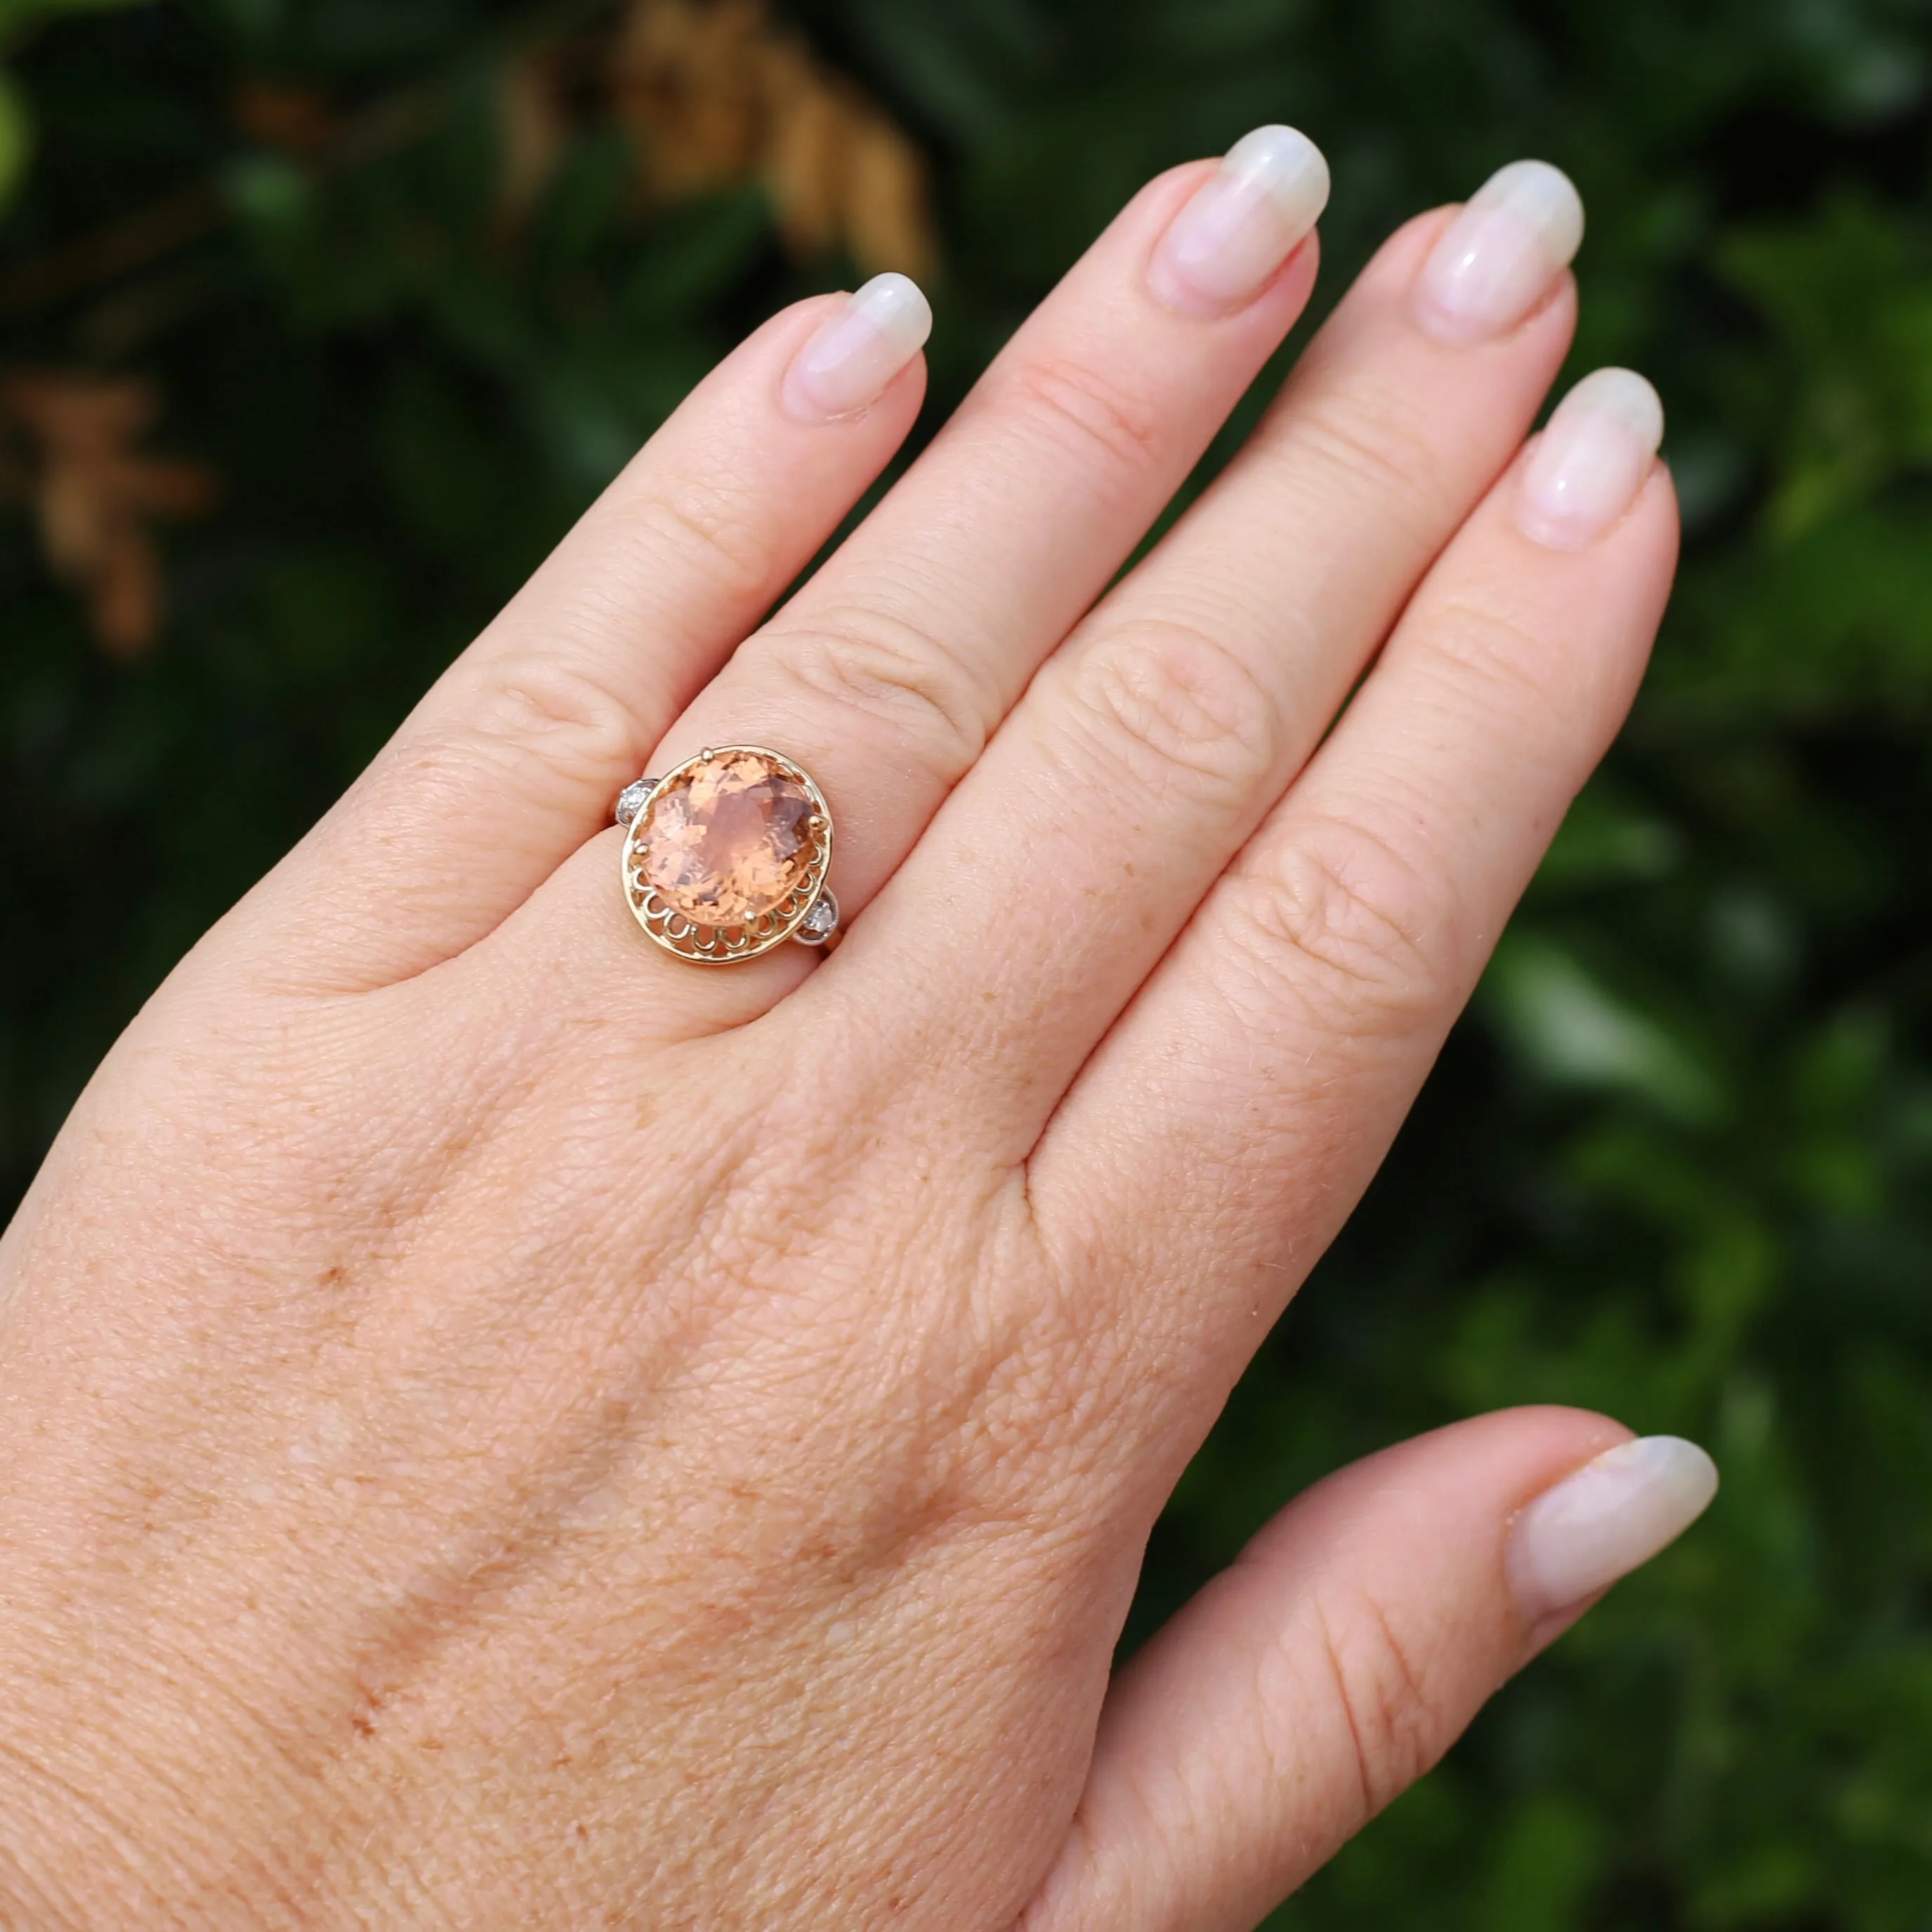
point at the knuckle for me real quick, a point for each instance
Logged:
(883, 665)
(1506, 665)
(726, 532)
(1374, 444)
(1178, 708)
(1092, 412)
(1340, 917)
(549, 708)
(1396, 1726)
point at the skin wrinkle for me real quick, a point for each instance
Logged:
(1351, 440)
(155, 1772)
(868, 662)
(1358, 960)
(453, 1122)
(720, 463)
(725, 521)
(84, 1800)
(1178, 708)
(1071, 396)
(1239, 1699)
(903, 614)
(624, 613)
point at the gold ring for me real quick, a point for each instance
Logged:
(727, 855)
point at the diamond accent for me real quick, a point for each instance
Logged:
(820, 923)
(630, 799)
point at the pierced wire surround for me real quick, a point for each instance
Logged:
(726, 946)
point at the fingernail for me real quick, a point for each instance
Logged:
(1241, 224)
(1495, 264)
(1612, 1515)
(1589, 463)
(846, 367)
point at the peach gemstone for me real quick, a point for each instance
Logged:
(726, 841)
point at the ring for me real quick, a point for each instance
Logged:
(727, 855)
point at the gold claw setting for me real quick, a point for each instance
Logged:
(726, 856)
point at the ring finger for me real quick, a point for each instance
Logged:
(885, 675)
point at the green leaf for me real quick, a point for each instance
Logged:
(17, 138)
(1543, 1868)
(1571, 1029)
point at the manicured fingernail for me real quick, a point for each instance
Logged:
(1495, 264)
(1612, 1516)
(847, 366)
(1241, 224)
(1588, 465)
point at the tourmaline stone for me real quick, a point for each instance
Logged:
(726, 841)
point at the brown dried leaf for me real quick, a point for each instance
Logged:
(888, 217)
(803, 161)
(534, 125)
(684, 77)
(297, 120)
(713, 92)
(95, 493)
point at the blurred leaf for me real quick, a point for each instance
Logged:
(1850, 296)
(1572, 1031)
(1543, 1869)
(714, 92)
(96, 494)
(1605, 839)
(17, 138)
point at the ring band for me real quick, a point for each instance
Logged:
(727, 855)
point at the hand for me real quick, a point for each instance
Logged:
(501, 1427)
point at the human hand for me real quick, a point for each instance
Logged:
(501, 1427)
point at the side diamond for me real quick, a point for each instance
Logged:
(630, 799)
(819, 924)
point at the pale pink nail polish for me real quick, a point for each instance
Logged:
(848, 364)
(1609, 1518)
(1587, 467)
(1231, 238)
(1499, 260)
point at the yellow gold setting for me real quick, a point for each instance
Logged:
(789, 857)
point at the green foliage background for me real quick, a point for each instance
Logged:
(1676, 1163)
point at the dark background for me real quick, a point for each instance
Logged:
(319, 319)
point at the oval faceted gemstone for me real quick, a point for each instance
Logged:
(726, 841)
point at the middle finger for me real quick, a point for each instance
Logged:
(1150, 748)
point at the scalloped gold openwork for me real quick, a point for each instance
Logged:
(739, 832)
